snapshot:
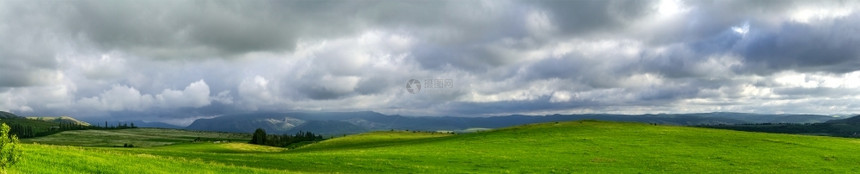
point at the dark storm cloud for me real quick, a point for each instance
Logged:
(594, 15)
(25, 69)
(17, 77)
(829, 46)
(826, 46)
(27, 55)
(589, 72)
(321, 92)
(684, 60)
(184, 29)
(507, 107)
(207, 29)
(373, 85)
(706, 19)
(188, 59)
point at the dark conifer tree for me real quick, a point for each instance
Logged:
(259, 136)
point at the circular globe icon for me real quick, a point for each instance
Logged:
(413, 86)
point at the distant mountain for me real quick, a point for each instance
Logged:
(8, 115)
(336, 123)
(855, 120)
(329, 127)
(768, 118)
(271, 122)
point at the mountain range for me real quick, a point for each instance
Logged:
(338, 123)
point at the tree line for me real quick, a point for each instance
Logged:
(118, 125)
(831, 129)
(28, 131)
(260, 137)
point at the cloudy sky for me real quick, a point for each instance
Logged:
(178, 60)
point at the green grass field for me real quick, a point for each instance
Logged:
(582, 146)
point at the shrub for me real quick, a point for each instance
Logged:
(10, 148)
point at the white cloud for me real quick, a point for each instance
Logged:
(743, 29)
(127, 98)
(807, 14)
(194, 95)
(560, 96)
(256, 92)
(539, 24)
(670, 8)
(118, 98)
(11, 102)
(818, 80)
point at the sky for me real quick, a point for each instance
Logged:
(175, 61)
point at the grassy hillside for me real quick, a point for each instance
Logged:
(26, 127)
(4, 114)
(139, 137)
(38, 125)
(61, 120)
(582, 146)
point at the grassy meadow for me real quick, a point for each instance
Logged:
(139, 137)
(564, 147)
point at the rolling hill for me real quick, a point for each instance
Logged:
(60, 120)
(6, 115)
(554, 147)
(39, 125)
